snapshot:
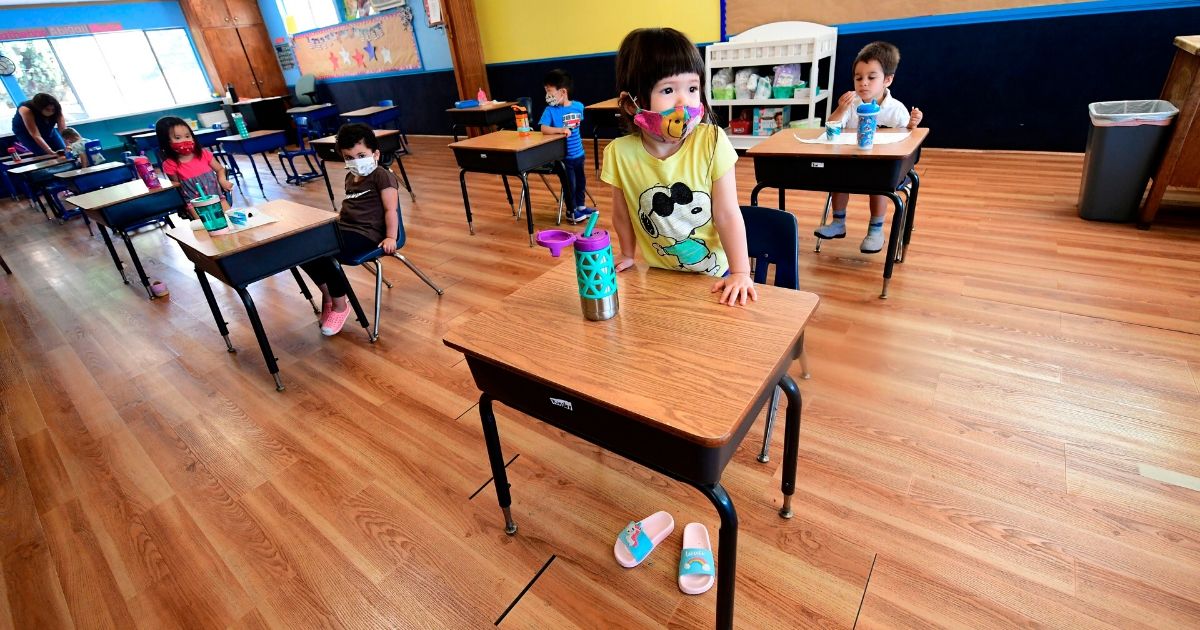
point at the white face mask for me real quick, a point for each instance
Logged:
(362, 166)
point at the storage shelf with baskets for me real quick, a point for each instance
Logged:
(777, 44)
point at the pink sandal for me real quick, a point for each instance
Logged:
(637, 540)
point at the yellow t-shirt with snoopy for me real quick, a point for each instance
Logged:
(670, 201)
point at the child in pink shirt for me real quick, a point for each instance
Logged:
(188, 164)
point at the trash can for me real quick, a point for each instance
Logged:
(1125, 143)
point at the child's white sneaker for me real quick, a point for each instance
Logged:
(873, 243)
(837, 229)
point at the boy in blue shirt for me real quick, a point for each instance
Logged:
(564, 116)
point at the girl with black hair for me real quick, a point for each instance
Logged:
(188, 164)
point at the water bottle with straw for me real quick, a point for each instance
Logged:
(209, 208)
(595, 268)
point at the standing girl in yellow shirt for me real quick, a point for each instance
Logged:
(674, 194)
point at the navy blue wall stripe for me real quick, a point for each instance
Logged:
(1000, 15)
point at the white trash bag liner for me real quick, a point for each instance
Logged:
(1131, 113)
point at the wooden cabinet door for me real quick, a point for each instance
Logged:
(267, 73)
(225, 47)
(207, 13)
(243, 12)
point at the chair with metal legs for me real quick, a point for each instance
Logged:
(772, 238)
(373, 262)
(294, 176)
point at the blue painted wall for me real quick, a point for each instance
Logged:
(130, 14)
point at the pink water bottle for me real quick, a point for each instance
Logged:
(145, 170)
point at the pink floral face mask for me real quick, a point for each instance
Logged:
(672, 125)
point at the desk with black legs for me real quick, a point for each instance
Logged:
(507, 153)
(603, 115)
(783, 162)
(618, 385)
(391, 148)
(240, 259)
(95, 177)
(124, 207)
(486, 116)
(261, 141)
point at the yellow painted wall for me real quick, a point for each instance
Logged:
(521, 30)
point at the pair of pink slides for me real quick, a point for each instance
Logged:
(696, 568)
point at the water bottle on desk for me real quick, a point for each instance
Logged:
(868, 121)
(595, 269)
(522, 116)
(240, 124)
(145, 170)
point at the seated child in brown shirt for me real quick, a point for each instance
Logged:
(368, 219)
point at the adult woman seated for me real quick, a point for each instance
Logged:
(37, 124)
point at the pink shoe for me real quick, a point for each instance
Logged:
(334, 322)
(326, 308)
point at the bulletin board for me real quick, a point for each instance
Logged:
(380, 43)
(742, 15)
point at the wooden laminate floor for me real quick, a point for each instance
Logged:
(1011, 440)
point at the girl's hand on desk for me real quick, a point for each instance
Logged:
(914, 118)
(624, 262)
(735, 289)
(388, 245)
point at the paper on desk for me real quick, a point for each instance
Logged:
(852, 138)
(259, 219)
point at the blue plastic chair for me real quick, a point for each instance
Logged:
(773, 238)
(294, 176)
(399, 126)
(373, 261)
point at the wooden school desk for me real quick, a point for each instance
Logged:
(375, 116)
(390, 149)
(126, 137)
(124, 207)
(148, 141)
(507, 153)
(261, 141)
(783, 162)
(316, 114)
(605, 114)
(489, 116)
(84, 180)
(36, 175)
(702, 372)
(240, 259)
(7, 164)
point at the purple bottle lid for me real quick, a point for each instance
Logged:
(597, 241)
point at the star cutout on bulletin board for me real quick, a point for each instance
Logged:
(333, 59)
(370, 48)
(345, 56)
(359, 57)
(387, 56)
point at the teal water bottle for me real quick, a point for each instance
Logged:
(595, 269)
(240, 123)
(597, 275)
